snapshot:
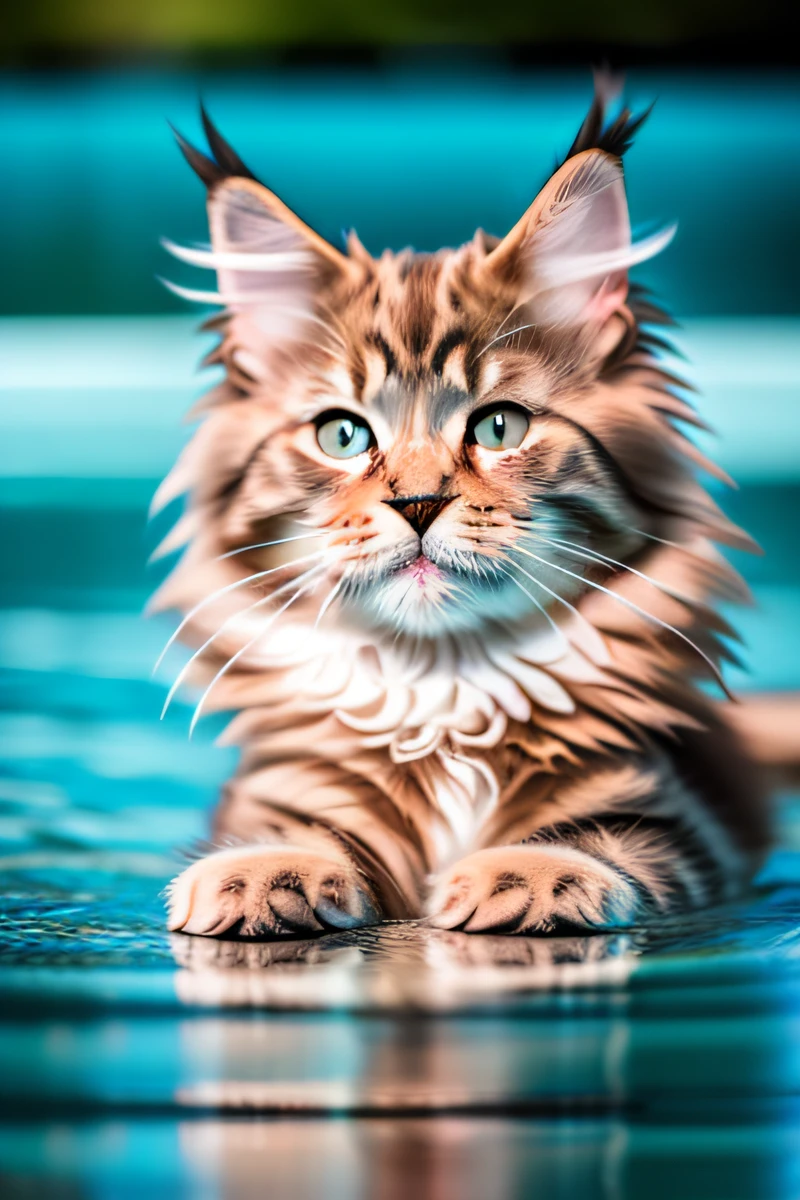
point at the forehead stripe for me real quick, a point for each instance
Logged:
(455, 337)
(377, 340)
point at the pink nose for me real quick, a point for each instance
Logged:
(419, 511)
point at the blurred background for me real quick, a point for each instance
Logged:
(414, 123)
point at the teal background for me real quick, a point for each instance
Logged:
(407, 156)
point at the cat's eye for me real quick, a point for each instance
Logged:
(501, 429)
(343, 434)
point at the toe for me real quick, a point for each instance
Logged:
(343, 904)
(455, 903)
(502, 910)
(292, 909)
(208, 913)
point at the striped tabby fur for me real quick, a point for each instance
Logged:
(466, 676)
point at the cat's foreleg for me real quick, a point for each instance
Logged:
(292, 873)
(612, 864)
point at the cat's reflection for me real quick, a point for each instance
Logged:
(467, 949)
(410, 1022)
(406, 964)
(451, 1158)
(200, 953)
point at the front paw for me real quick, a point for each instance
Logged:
(269, 891)
(532, 889)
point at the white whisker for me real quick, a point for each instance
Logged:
(299, 537)
(642, 612)
(651, 537)
(507, 317)
(243, 650)
(230, 587)
(604, 560)
(570, 607)
(248, 300)
(541, 608)
(240, 261)
(328, 601)
(508, 333)
(226, 624)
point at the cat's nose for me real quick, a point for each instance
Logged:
(419, 511)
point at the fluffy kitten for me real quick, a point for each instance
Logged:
(448, 557)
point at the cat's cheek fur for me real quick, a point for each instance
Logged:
(533, 889)
(269, 890)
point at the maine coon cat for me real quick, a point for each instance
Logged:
(448, 557)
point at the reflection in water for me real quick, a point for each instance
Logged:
(405, 964)
(482, 1157)
(450, 1065)
(491, 1158)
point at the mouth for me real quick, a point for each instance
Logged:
(417, 594)
(422, 570)
(424, 574)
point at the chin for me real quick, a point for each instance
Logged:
(423, 600)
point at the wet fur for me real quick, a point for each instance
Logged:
(438, 749)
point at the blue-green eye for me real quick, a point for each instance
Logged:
(343, 435)
(501, 429)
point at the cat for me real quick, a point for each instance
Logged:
(448, 557)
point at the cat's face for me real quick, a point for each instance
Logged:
(438, 461)
(416, 409)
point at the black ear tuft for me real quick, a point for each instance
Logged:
(223, 152)
(200, 163)
(594, 134)
(225, 163)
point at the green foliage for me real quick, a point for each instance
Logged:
(253, 25)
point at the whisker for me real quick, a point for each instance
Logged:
(243, 650)
(328, 601)
(398, 606)
(227, 300)
(533, 599)
(226, 624)
(214, 259)
(651, 537)
(603, 559)
(642, 612)
(507, 317)
(508, 333)
(587, 624)
(299, 537)
(230, 587)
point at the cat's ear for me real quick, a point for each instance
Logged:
(256, 237)
(270, 266)
(261, 251)
(570, 253)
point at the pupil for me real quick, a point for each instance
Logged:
(346, 430)
(499, 426)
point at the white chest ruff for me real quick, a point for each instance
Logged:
(447, 700)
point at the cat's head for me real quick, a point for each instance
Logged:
(466, 436)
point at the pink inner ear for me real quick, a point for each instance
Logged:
(608, 299)
(581, 250)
